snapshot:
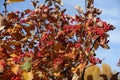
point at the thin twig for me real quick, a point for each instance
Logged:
(5, 7)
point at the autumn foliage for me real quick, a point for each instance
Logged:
(103, 72)
(48, 44)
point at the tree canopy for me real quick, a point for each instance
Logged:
(45, 43)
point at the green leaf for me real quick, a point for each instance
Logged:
(27, 65)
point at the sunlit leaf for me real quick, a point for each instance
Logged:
(16, 69)
(28, 75)
(2, 27)
(73, 50)
(82, 66)
(99, 24)
(79, 68)
(79, 9)
(13, 55)
(74, 70)
(106, 69)
(56, 74)
(90, 15)
(93, 71)
(60, 2)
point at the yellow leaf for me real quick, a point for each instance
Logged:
(15, 0)
(57, 74)
(74, 70)
(79, 67)
(73, 50)
(27, 75)
(16, 69)
(32, 33)
(61, 51)
(13, 55)
(106, 69)
(90, 16)
(93, 71)
(82, 66)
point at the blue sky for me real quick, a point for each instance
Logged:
(110, 13)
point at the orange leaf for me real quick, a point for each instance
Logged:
(16, 69)
(28, 75)
(57, 74)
